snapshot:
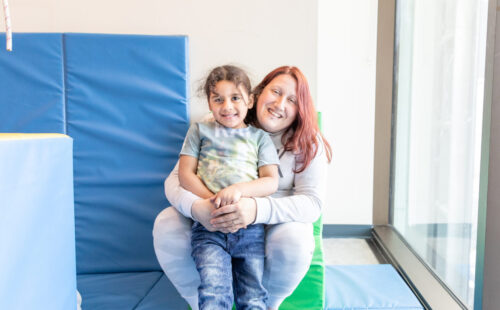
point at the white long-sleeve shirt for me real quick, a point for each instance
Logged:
(299, 197)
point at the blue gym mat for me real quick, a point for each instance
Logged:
(133, 290)
(367, 287)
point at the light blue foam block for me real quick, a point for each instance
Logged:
(367, 287)
(37, 239)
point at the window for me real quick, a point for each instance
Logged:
(438, 99)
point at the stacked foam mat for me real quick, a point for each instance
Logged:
(123, 100)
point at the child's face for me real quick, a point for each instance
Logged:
(229, 104)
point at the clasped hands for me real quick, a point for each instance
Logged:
(226, 211)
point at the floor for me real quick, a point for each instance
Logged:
(350, 251)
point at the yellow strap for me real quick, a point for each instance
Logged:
(19, 136)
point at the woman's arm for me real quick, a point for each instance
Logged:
(188, 204)
(306, 200)
(180, 198)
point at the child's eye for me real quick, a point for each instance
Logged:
(292, 100)
(236, 98)
(217, 99)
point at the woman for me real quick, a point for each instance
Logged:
(284, 108)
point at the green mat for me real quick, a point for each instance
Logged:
(310, 293)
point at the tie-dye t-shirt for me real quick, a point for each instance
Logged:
(227, 156)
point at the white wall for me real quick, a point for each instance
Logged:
(258, 35)
(347, 38)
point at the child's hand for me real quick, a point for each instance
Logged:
(227, 196)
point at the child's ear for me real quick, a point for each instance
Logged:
(250, 101)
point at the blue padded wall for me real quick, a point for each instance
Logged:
(32, 86)
(123, 99)
(127, 113)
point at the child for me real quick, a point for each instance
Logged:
(227, 160)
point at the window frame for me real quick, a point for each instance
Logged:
(427, 286)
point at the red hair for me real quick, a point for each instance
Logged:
(306, 135)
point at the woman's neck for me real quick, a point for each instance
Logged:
(277, 137)
(278, 133)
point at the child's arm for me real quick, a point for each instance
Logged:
(265, 185)
(188, 178)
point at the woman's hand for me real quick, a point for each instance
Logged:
(231, 218)
(201, 212)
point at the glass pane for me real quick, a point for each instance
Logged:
(439, 73)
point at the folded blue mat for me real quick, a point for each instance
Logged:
(135, 290)
(367, 287)
(162, 296)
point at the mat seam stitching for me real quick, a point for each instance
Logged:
(147, 293)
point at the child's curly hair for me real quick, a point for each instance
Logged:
(227, 73)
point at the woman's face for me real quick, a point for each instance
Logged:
(277, 104)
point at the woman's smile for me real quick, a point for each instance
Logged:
(271, 111)
(277, 104)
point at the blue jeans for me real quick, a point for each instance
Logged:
(227, 260)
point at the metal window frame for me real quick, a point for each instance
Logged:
(488, 252)
(427, 286)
